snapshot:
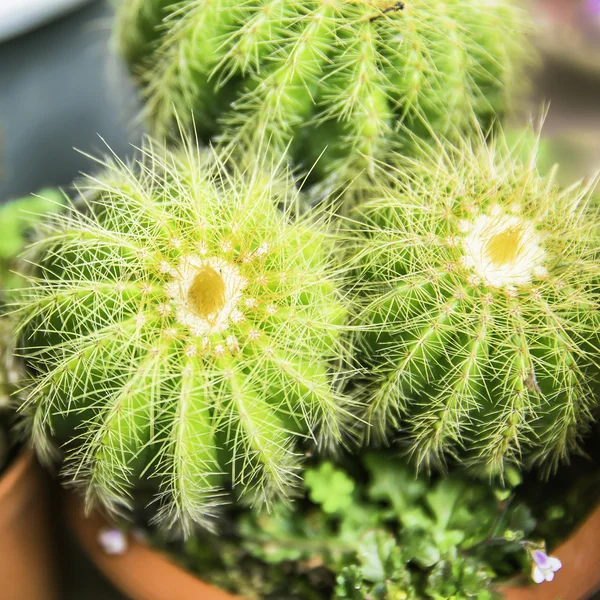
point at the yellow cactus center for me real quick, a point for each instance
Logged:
(504, 250)
(206, 294)
(504, 247)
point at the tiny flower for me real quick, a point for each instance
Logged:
(544, 566)
(113, 541)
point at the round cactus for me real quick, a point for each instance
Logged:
(183, 333)
(480, 310)
(339, 80)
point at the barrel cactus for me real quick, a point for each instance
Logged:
(335, 80)
(480, 319)
(183, 332)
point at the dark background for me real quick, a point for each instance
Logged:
(61, 86)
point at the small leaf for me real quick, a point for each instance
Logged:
(379, 555)
(520, 518)
(460, 579)
(419, 547)
(393, 482)
(329, 487)
(416, 518)
(350, 584)
(555, 512)
(502, 494)
(449, 539)
(17, 216)
(513, 477)
(443, 498)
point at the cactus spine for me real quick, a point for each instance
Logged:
(343, 78)
(183, 327)
(480, 311)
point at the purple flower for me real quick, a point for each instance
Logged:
(113, 541)
(545, 566)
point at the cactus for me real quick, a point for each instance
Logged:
(184, 332)
(18, 218)
(479, 318)
(339, 81)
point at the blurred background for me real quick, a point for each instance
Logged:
(61, 87)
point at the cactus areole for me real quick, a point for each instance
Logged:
(341, 81)
(183, 333)
(480, 310)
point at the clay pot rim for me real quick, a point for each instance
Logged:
(86, 530)
(580, 577)
(158, 569)
(15, 472)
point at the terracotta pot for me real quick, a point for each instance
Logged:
(27, 568)
(579, 577)
(141, 573)
(145, 574)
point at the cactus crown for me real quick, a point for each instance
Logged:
(343, 78)
(183, 327)
(480, 320)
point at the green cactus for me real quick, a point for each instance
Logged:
(479, 285)
(17, 220)
(339, 80)
(183, 333)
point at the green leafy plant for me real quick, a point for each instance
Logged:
(341, 80)
(17, 220)
(183, 331)
(479, 323)
(389, 535)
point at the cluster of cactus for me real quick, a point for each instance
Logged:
(480, 321)
(339, 84)
(184, 326)
(187, 328)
